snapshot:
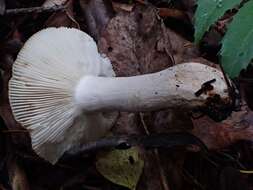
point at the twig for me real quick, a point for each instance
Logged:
(14, 131)
(246, 171)
(157, 157)
(173, 13)
(73, 20)
(191, 179)
(34, 10)
(152, 141)
(36, 159)
(143, 2)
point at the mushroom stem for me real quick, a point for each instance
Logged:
(172, 87)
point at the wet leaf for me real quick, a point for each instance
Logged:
(122, 167)
(208, 12)
(237, 49)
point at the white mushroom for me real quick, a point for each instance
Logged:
(63, 91)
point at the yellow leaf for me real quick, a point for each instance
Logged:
(122, 167)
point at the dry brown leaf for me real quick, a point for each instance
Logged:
(136, 42)
(97, 13)
(219, 135)
(63, 18)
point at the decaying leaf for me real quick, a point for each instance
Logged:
(217, 135)
(97, 14)
(62, 18)
(123, 167)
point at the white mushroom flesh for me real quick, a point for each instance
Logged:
(172, 87)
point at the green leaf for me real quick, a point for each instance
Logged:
(237, 44)
(122, 167)
(209, 11)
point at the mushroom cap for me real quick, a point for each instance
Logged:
(41, 90)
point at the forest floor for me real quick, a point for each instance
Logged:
(139, 37)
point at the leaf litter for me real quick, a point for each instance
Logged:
(137, 42)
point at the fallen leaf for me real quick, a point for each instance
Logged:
(63, 18)
(97, 14)
(122, 167)
(136, 42)
(208, 12)
(218, 135)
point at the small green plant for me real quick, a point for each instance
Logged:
(237, 44)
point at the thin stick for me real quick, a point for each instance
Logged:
(191, 179)
(173, 13)
(246, 171)
(73, 19)
(34, 10)
(161, 171)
